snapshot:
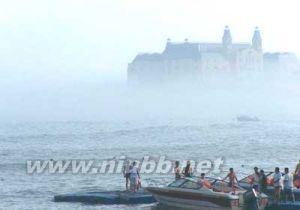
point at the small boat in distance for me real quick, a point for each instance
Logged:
(212, 194)
(246, 118)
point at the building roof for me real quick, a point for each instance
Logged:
(210, 47)
(148, 57)
(188, 50)
(181, 51)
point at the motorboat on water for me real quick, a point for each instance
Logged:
(246, 118)
(247, 181)
(207, 194)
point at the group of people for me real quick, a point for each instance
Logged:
(186, 172)
(132, 176)
(286, 182)
(283, 183)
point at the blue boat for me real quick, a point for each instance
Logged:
(108, 197)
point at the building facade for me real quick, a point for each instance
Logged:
(187, 61)
(284, 63)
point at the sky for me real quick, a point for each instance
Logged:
(63, 58)
(89, 39)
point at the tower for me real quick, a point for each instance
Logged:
(256, 40)
(227, 39)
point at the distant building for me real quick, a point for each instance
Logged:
(197, 61)
(286, 63)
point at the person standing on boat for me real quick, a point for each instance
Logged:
(187, 171)
(177, 170)
(232, 178)
(134, 177)
(255, 178)
(288, 186)
(126, 172)
(262, 181)
(277, 185)
(297, 176)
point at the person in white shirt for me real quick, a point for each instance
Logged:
(134, 177)
(288, 186)
(277, 185)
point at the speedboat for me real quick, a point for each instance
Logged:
(247, 181)
(208, 194)
(246, 118)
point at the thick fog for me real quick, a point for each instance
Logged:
(267, 98)
(67, 61)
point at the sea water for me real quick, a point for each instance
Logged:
(243, 145)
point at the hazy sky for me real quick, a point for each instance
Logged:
(62, 59)
(88, 38)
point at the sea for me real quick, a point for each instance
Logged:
(242, 145)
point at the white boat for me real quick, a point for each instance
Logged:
(246, 118)
(211, 194)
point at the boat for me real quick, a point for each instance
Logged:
(108, 197)
(284, 206)
(246, 184)
(246, 118)
(210, 194)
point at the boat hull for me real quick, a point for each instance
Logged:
(188, 204)
(188, 199)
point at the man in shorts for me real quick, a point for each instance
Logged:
(126, 173)
(277, 185)
(288, 186)
(233, 181)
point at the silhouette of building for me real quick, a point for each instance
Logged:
(188, 61)
(285, 63)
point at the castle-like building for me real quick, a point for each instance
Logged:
(197, 61)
